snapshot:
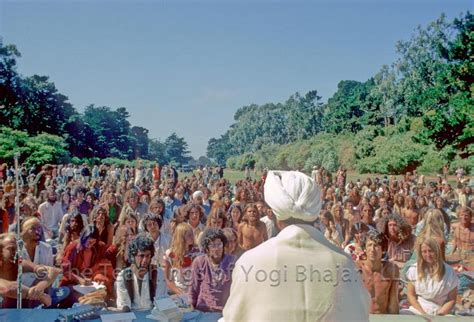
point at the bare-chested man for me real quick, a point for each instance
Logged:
(409, 212)
(252, 232)
(464, 232)
(33, 295)
(350, 213)
(379, 277)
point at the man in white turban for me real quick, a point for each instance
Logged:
(297, 275)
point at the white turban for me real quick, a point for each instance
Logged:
(292, 194)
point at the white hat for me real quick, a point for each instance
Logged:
(292, 194)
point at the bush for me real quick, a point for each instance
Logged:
(231, 163)
(76, 161)
(245, 160)
(323, 155)
(346, 152)
(393, 155)
(364, 141)
(433, 162)
(35, 150)
(467, 164)
(265, 157)
(298, 154)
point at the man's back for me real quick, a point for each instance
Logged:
(296, 276)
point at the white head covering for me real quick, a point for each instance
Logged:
(292, 194)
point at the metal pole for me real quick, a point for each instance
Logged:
(19, 249)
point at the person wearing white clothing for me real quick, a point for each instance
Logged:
(51, 214)
(137, 286)
(297, 275)
(433, 285)
(35, 250)
(152, 224)
(269, 221)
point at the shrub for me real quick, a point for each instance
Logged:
(393, 155)
(433, 162)
(467, 164)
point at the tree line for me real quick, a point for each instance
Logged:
(416, 112)
(40, 123)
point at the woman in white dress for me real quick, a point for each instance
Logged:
(433, 285)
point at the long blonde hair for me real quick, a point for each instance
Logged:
(438, 269)
(433, 224)
(178, 247)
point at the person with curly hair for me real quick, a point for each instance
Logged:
(380, 277)
(138, 285)
(211, 273)
(398, 238)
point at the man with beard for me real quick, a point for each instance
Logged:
(34, 249)
(398, 238)
(51, 214)
(211, 274)
(33, 295)
(138, 285)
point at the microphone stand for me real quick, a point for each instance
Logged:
(19, 241)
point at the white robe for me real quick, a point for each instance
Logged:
(296, 276)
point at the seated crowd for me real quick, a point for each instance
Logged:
(144, 234)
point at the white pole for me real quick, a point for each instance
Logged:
(19, 249)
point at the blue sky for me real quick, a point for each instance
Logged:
(187, 66)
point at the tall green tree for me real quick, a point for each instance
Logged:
(219, 149)
(304, 115)
(157, 151)
(112, 131)
(348, 109)
(176, 149)
(448, 104)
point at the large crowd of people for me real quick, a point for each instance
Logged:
(136, 234)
